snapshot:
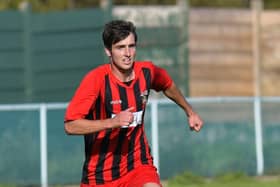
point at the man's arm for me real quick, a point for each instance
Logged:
(84, 126)
(195, 122)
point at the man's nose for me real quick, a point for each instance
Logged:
(127, 51)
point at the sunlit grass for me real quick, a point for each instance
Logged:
(227, 180)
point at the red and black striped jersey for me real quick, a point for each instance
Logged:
(111, 153)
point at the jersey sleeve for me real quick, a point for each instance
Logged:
(84, 97)
(161, 80)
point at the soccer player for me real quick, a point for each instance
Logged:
(108, 109)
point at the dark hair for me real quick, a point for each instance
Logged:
(117, 30)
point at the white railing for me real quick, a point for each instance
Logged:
(44, 107)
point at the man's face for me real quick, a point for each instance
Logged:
(123, 53)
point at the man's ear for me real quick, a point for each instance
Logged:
(108, 52)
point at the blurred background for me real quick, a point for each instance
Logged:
(223, 54)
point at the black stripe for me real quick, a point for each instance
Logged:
(101, 159)
(108, 97)
(144, 158)
(123, 97)
(122, 134)
(98, 108)
(137, 94)
(131, 145)
(106, 140)
(89, 140)
(147, 76)
(117, 154)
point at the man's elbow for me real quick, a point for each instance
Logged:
(68, 128)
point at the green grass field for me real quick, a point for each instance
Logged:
(226, 180)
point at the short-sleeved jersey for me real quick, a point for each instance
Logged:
(111, 153)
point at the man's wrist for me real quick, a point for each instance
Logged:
(189, 112)
(108, 123)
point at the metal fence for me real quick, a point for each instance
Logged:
(240, 134)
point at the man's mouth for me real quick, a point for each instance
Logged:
(127, 61)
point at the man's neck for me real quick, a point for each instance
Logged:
(123, 76)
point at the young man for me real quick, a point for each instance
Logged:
(108, 109)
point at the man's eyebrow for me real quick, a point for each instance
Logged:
(120, 45)
(123, 45)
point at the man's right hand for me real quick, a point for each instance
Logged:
(124, 118)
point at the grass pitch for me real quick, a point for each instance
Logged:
(227, 180)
